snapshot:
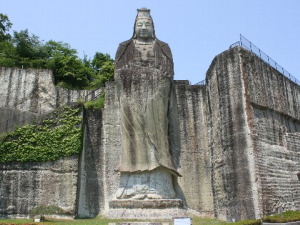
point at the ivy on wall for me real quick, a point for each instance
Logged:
(55, 137)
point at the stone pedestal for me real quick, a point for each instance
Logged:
(146, 204)
(146, 209)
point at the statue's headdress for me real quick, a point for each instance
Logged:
(143, 13)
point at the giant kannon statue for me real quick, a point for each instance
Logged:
(144, 77)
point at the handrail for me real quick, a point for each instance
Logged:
(248, 45)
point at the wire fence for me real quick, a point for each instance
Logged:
(248, 45)
(203, 82)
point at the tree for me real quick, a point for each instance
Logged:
(103, 65)
(27, 50)
(67, 68)
(5, 26)
(27, 45)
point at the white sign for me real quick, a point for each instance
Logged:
(182, 221)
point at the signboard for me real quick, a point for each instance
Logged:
(182, 221)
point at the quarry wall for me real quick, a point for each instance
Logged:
(195, 158)
(29, 94)
(24, 186)
(233, 183)
(90, 193)
(239, 141)
(274, 114)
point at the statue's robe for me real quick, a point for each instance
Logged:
(144, 79)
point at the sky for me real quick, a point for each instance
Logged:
(196, 30)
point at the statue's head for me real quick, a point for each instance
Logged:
(144, 27)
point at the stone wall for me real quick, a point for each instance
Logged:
(253, 136)
(239, 143)
(111, 145)
(28, 94)
(233, 183)
(27, 185)
(90, 194)
(195, 158)
(27, 89)
(274, 103)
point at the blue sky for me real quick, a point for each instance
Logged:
(196, 30)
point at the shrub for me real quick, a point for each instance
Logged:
(96, 104)
(247, 222)
(47, 210)
(288, 216)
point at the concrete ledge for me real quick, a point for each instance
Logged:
(146, 204)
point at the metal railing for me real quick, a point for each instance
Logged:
(203, 82)
(248, 45)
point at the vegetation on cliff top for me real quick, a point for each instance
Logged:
(25, 50)
(96, 104)
(53, 138)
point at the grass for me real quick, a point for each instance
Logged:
(288, 216)
(103, 221)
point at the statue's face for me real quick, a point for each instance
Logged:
(144, 28)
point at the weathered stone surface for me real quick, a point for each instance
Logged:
(254, 137)
(145, 214)
(195, 160)
(146, 204)
(28, 94)
(90, 186)
(9, 118)
(234, 187)
(27, 185)
(239, 146)
(27, 90)
(110, 144)
(274, 118)
(143, 75)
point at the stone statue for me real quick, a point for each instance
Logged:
(144, 75)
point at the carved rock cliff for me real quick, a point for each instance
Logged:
(239, 143)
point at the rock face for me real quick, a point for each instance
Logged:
(24, 186)
(91, 186)
(274, 120)
(29, 94)
(239, 147)
(253, 136)
(195, 157)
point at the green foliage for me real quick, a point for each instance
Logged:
(200, 220)
(104, 67)
(47, 210)
(49, 140)
(5, 25)
(96, 104)
(288, 216)
(26, 50)
(247, 222)
(27, 45)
